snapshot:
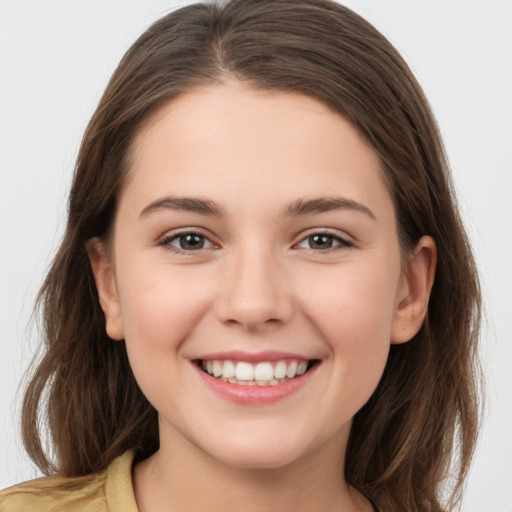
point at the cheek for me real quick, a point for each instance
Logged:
(353, 311)
(353, 305)
(159, 309)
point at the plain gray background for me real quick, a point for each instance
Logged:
(55, 59)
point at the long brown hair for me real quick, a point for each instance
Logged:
(400, 450)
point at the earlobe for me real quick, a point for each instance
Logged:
(104, 276)
(414, 291)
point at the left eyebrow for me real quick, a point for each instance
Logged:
(188, 204)
(325, 204)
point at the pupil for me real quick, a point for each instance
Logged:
(320, 241)
(191, 242)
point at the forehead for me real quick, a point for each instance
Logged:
(231, 141)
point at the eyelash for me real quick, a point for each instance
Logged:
(166, 242)
(339, 242)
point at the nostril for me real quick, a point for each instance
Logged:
(253, 300)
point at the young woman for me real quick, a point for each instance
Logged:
(265, 298)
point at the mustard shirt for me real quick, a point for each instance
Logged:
(110, 491)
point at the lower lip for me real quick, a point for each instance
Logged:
(255, 394)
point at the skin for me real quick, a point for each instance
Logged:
(258, 283)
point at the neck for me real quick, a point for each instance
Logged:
(181, 478)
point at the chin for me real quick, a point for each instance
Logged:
(258, 453)
(258, 459)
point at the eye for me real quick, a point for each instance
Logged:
(323, 242)
(187, 242)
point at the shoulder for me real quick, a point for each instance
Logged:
(108, 491)
(55, 493)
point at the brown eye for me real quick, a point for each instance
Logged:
(191, 242)
(187, 242)
(320, 241)
(323, 242)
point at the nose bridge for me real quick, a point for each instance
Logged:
(255, 291)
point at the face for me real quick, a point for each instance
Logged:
(255, 274)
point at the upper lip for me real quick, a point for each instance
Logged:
(252, 357)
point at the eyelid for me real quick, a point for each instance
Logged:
(345, 241)
(166, 239)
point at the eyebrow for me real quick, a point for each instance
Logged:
(188, 204)
(296, 208)
(325, 204)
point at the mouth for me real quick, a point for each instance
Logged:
(263, 373)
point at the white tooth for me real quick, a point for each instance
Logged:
(250, 383)
(209, 366)
(301, 370)
(217, 368)
(263, 371)
(229, 369)
(291, 370)
(244, 371)
(273, 382)
(232, 381)
(262, 382)
(280, 370)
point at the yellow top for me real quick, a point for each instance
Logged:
(110, 491)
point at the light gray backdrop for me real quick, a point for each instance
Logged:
(55, 59)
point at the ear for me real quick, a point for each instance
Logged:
(414, 291)
(104, 276)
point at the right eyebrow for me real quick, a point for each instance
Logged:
(188, 204)
(325, 204)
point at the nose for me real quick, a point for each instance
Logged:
(255, 292)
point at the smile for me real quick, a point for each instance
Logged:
(266, 373)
